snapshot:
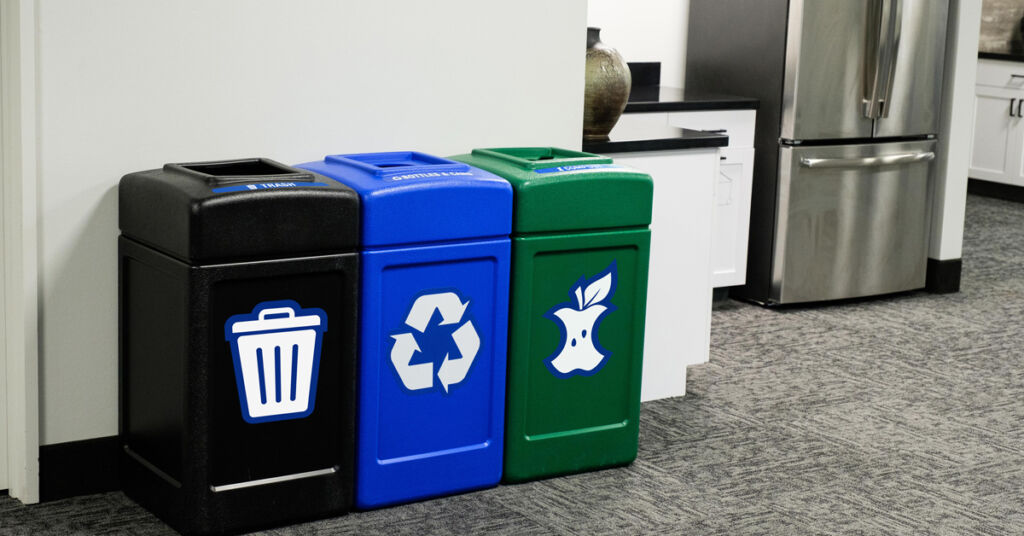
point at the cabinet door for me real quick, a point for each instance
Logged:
(998, 140)
(731, 218)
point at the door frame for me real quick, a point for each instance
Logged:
(19, 240)
(3, 292)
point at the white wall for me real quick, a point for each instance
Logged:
(125, 85)
(949, 189)
(645, 30)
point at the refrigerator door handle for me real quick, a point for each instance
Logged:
(871, 161)
(895, 28)
(873, 53)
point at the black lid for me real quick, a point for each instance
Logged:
(238, 210)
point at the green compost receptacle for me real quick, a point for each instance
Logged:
(580, 248)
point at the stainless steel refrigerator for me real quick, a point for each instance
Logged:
(845, 139)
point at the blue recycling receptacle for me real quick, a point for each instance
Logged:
(434, 318)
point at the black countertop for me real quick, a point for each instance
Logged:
(637, 134)
(1005, 56)
(673, 99)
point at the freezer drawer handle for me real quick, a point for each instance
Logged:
(871, 161)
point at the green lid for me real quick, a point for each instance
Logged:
(563, 190)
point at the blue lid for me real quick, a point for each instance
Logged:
(410, 197)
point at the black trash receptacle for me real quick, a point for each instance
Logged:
(237, 343)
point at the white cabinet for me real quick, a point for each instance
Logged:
(678, 326)
(997, 153)
(731, 221)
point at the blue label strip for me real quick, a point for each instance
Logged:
(265, 186)
(562, 169)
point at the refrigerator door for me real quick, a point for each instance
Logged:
(910, 91)
(852, 221)
(829, 60)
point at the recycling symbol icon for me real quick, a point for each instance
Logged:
(451, 309)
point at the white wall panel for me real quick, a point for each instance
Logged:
(126, 85)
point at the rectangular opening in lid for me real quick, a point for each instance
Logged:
(396, 163)
(247, 170)
(240, 168)
(543, 153)
(540, 157)
(399, 159)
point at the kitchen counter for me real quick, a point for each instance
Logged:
(1004, 56)
(635, 134)
(673, 99)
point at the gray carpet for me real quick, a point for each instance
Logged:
(900, 415)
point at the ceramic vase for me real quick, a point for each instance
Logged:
(606, 90)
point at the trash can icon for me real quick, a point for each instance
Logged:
(276, 351)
